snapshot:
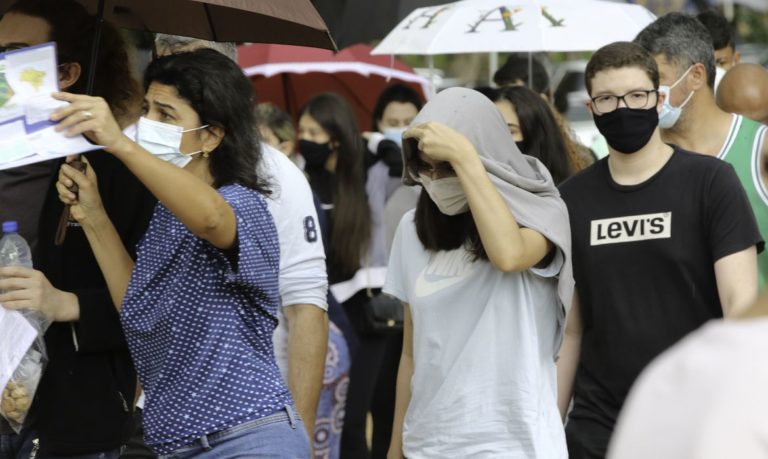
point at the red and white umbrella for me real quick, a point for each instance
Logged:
(288, 76)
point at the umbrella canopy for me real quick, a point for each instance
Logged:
(474, 26)
(294, 22)
(288, 76)
(354, 21)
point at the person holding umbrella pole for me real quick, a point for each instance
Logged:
(83, 405)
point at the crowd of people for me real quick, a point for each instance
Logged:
(464, 279)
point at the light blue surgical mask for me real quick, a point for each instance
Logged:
(164, 141)
(395, 135)
(669, 114)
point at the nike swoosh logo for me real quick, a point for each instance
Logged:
(423, 287)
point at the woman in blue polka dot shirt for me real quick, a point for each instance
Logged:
(199, 304)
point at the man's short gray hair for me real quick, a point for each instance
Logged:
(683, 40)
(168, 44)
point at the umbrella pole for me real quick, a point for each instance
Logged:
(493, 65)
(287, 94)
(431, 63)
(95, 48)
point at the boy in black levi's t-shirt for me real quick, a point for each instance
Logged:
(663, 240)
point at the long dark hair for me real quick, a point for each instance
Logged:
(73, 29)
(223, 97)
(542, 136)
(351, 225)
(438, 231)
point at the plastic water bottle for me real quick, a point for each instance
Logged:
(14, 250)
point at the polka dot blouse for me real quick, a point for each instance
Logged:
(199, 331)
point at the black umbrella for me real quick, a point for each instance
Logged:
(290, 22)
(359, 21)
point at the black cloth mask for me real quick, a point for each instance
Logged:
(315, 154)
(628, 130)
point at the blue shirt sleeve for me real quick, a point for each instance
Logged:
(256, 259)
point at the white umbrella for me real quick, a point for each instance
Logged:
(485, 26)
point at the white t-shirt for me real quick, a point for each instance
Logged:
(484, 377)
(704, 398)
(303, 278)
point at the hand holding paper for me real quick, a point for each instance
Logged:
(26, 134)
(90, 116)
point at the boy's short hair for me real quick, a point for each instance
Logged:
(516, 69)
(719, 28)
(619, 55)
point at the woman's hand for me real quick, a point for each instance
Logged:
(90, 116)
(85, 205)
(438, 142)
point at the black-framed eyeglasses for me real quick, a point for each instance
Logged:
(635, 100)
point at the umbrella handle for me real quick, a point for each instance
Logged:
(61, 231)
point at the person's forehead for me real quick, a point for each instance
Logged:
(619, 81)
(725, 49)
(724, 52)
(162, 90)
(164, 94)
(308, 122)
(396, 109)
(507, 110)
(21, 29)
(668, 67)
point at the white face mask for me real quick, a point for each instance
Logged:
(669, 114)
(395, 135)
(164, 141)
(446, 193)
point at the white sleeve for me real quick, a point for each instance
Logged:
(303, 279)
(394, 284)
(554, 266)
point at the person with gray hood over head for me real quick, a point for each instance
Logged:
(483, 269)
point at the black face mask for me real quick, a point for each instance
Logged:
(315, 154)
(627, 130)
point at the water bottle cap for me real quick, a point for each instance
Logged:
(10, 227)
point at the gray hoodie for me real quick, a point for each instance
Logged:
(523, 181)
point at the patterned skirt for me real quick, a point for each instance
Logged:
(330, 410)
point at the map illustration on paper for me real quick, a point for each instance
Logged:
(6, 91)
(28, 77)
(34, 77)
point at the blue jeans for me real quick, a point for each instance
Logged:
(281, 436)
(26, 446)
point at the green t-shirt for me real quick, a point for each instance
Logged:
(742, 150)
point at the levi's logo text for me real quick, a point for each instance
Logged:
(631, 228)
